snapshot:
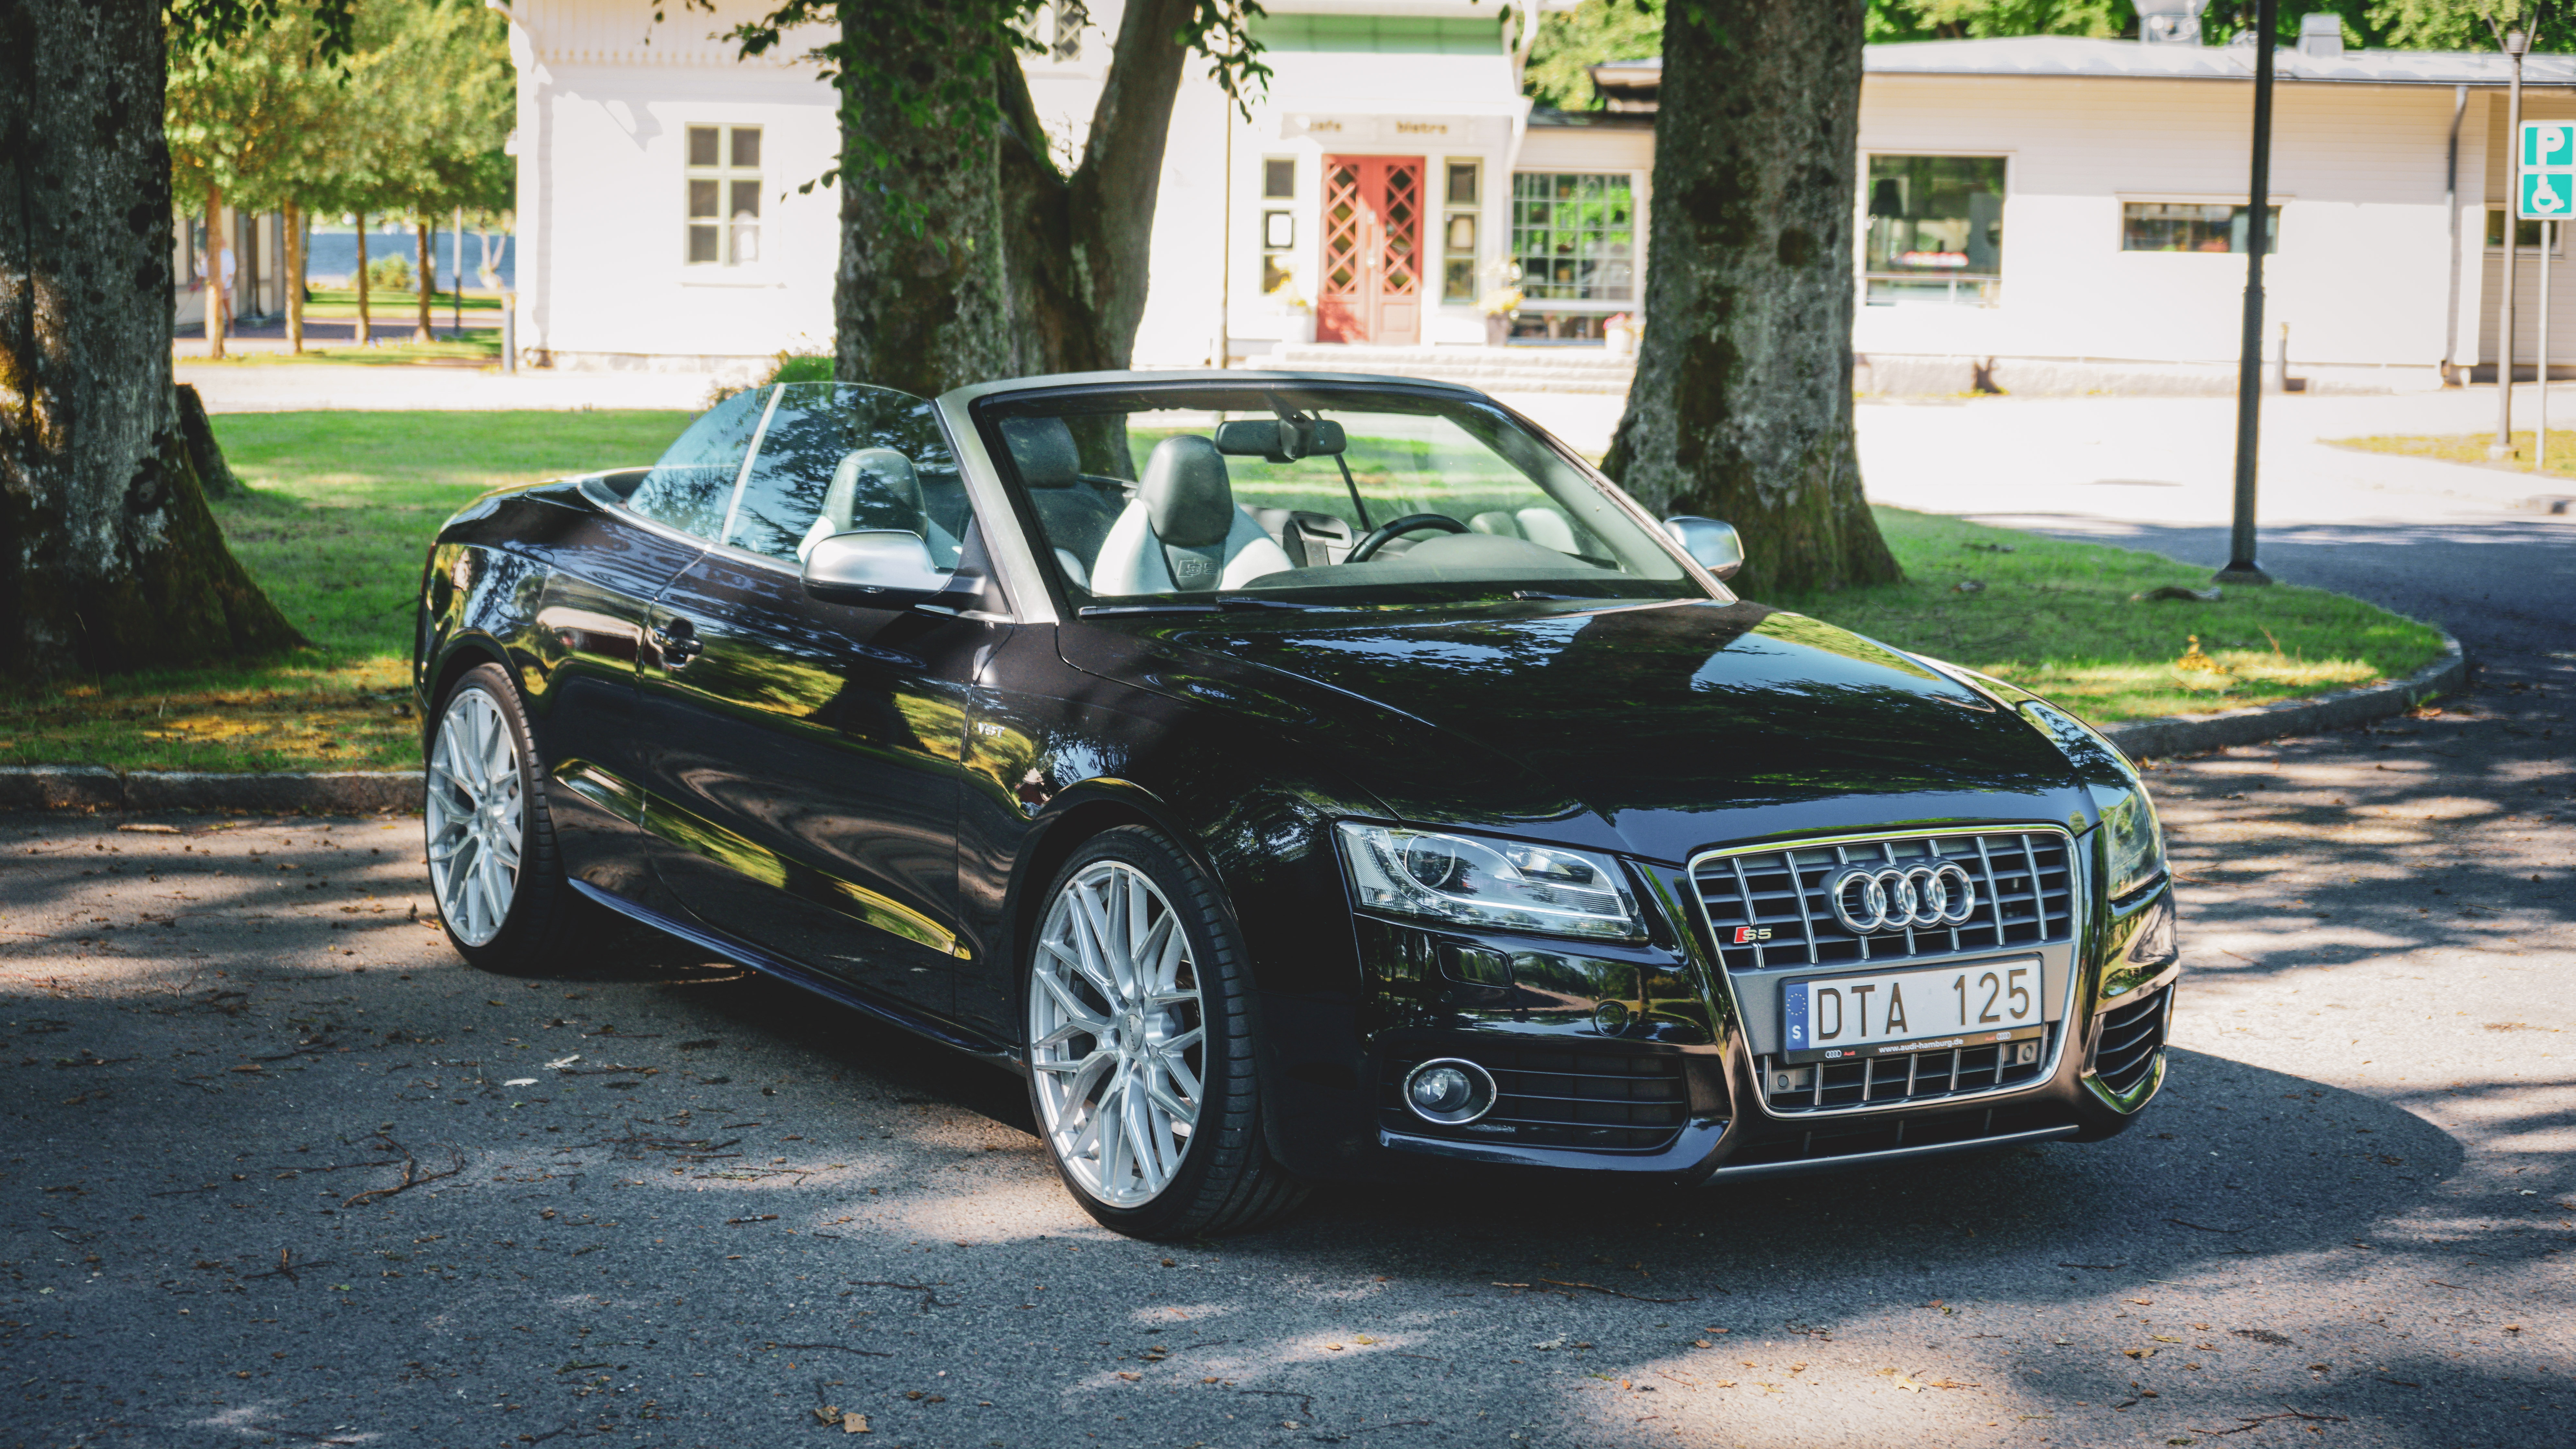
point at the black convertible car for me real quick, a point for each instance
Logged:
(1296, 778)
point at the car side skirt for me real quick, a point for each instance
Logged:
(981, 1048)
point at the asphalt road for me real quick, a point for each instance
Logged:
(281, 1170)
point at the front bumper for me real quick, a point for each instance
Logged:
(1639, 1060)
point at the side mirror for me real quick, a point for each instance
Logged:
(886, 568)
(1280, 440)
(1714, 544)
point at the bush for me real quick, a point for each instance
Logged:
(786, 367)
(391, 274)
(799, 367)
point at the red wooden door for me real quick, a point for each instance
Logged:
(1372, 284)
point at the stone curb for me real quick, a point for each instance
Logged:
(364, 792)
(91, 787)
(2186, 734)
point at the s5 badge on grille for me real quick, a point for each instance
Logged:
(1747, 935)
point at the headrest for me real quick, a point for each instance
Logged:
(1185, 493)
(872, 475)
(1043, 449)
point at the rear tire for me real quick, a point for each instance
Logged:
(495, 872)
(1140, 1045)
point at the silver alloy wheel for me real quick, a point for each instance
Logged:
(475, 816)
(1117, 1039)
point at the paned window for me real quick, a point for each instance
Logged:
(1574, 236)
(2175, 226)
(1458, 235)
(1278, 224)
(1936, 228)
(724, 195)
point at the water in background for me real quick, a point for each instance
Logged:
(331, 257)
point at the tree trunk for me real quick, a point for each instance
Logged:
(1742, 407)
(294, 277)
(366, 329)
(423, 329)
(205, 455)
(219, 301)
(1080, 245)
(109, 557)
(921, 302)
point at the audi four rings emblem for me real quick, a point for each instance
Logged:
(1869, 899)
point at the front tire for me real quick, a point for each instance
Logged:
(494, 869)
(1140, 1046)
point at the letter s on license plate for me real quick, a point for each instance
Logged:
(1857, 1014)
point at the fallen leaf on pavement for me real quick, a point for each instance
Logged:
(855, 1424)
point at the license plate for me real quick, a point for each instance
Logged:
(1835, 1018)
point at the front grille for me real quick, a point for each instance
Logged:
(1599, 1100)
(2131, 1037)
(1914, 1077)
(1847, 1139)
(2025, 896)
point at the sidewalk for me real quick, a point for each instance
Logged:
(2172, 460)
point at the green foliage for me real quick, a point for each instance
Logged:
(1603, 30)
(252, 113)
(1571, 41)
(392, 273)
(2465, 24)
(341, 105)
(1980, 19)
(193, 26)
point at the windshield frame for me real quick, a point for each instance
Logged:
(984, 408)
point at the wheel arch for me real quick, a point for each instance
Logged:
(463, 654)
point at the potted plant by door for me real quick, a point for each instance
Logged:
(1498, 306)
(1503, 298)
(1296, 314)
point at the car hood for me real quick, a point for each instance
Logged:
(1659, 729)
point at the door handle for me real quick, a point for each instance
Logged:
(679, 642)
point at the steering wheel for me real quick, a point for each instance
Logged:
(1386, 533)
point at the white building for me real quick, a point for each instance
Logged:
(2044, 214)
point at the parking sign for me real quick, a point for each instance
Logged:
(2548, 191)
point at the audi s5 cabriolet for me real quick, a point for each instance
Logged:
(1296, 778)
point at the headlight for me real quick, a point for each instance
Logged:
(1480, 882)
(2136, 842)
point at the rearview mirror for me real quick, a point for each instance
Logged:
(1713, 544)
(886, 568)
(1280, 440)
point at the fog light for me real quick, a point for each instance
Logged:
(1449, 1091)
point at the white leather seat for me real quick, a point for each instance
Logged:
(882, 482)
(1184, 532)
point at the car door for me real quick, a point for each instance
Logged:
(803, 757)
(644, 529)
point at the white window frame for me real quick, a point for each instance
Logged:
(727, 178)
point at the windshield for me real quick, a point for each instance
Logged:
(1311, 494)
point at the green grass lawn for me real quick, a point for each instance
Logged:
(342, 507)
(2467, 448)
(343, 504)
(2059, 619)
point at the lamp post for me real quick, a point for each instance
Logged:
(2515, 43)
(2241, 568)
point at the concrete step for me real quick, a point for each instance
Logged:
(1494, 369)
